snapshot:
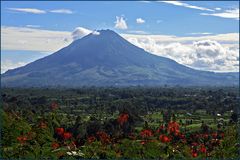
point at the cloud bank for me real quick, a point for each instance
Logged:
(204, 54)
(8, 64)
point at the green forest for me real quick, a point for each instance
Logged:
(125, 123)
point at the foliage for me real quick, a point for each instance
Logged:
(50, 131)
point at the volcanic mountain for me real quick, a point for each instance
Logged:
(107, 59)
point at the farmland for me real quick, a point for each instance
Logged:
(134, 122)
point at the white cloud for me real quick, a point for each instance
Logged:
(96, 33)
(80, 32)
(223, 38)
(28, 10)
(218, 9)
(232, 14)
(200, 33)
(39, 11)
(33, 39)
(140, 20)
(64, 11)
(120, 23)
(8, 64)
(33, 26)
(178, 3)
(137, 32)
(204, 54)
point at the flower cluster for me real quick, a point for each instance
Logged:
(123, 118)
(164, 138)
(55, 145)
(104, 137)
(22, 139)
(91, 139)
(173, 127)
(146, 133)
(65, 135)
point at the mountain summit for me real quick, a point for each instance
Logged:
(104, 58)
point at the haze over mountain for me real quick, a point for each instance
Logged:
(103, 58)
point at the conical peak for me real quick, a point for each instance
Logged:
(105, 33)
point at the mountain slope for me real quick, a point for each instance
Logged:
(108, 60)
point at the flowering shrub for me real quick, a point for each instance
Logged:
(146, 133)
(48, 138)
(59, 131)
(123, 118)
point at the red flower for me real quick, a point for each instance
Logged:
(55, 145)
(164, 138)
(123, 118)
(91, 139)
(104, 137)
(146, 133)
(214, 135)
(67, 135)
(194, 154)
(22, 139)
(59, 131)
(54, 105)
(173, 127)
(203, 149)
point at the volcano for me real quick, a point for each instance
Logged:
(107, 59)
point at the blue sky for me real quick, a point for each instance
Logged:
(160, 17)
(181, 19)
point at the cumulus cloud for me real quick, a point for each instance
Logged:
(232, 14)
(80, 32)
(28, 10)
(120, 23)
(8, 64)
(140, 20)
(227, 38)
(204, 54)
(178, 3)
(63, 11)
